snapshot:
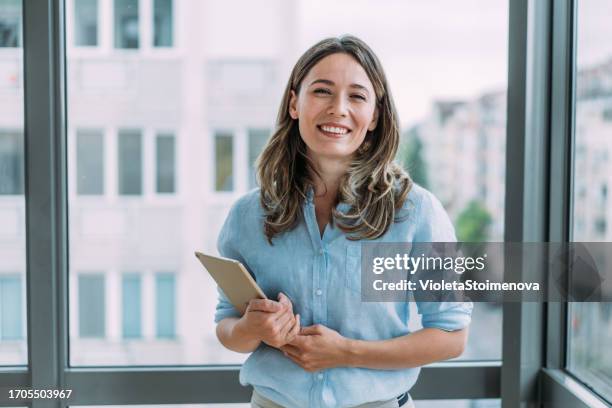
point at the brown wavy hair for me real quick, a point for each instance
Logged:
(375, 187)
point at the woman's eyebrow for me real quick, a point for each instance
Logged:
(331, 83)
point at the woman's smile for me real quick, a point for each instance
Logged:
(333, 130)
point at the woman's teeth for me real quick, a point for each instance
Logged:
(336, 130)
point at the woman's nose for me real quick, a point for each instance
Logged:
(338, 106)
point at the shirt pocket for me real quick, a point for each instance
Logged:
(352, 279)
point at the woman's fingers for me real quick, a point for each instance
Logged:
(264, 305)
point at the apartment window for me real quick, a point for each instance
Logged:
(90, 162)
(126, 24)
(131, 301)
(92, 305)
(86, 22)
(165, 305)
(257, 141)
(130, 162)
(10, 23)
(11, 163)
(162, 23)
(11, 314)
(165, 163)
(224, 161)
(590, 328)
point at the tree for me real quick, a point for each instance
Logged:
(473, 223)
(411, 157)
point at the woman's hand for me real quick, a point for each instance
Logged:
(269, 321)
(317, 347)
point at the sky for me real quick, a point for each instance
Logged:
(430, 50)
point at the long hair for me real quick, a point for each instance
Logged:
(375, 187)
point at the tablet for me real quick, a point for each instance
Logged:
(233, 278)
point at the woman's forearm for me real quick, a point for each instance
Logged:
(231, 335)
(422, 347)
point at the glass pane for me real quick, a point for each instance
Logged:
(90, 162)
(162, 22)
(126, 24)
(165, 301)
(590, 324)
(131, 302)
(224, 154)
(13, 312)
(165, 164)
(217, 101)
(10, 23)
(257, 141)
(91, 305)
(130, 162)
(86, 22)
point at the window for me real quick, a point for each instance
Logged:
(590, 324)
(165, 159)
(130, 162)
(131, 305)
(10, 23)
(86, 22)
(165, 305)
(90, 162)
(162, 23)
(257, 141)
(11, 313)
(224, 162)
(11, 163)
(126, 24)
(92, 305)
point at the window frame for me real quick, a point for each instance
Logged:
(532, 24)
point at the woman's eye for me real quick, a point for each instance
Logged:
(322, 91)
(357, 96)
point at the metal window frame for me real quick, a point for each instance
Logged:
(47, 240)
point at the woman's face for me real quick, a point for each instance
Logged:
(336, 106)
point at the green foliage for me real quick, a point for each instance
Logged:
(411, 158)
(473, 223)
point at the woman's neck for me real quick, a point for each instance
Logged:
(330, 172)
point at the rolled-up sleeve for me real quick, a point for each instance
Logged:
(434, 225)
(227, 245)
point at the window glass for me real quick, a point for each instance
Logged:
(221, 97)
(91, 305)
(165, 161)
(86, 22)
(224, 160)
(10, 23)
(13, 311)
(131, 302)
(126, 24)
(257, 141)
(11, 162)
(165, 305)
(130, 162)
(590, 324)
(90, 162)
(162, 23)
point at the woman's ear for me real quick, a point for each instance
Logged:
(374, 119)
(293, 105)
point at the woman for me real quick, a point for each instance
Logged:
(328, 180)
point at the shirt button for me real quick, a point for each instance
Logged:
(320, 376)
(319, 292)
(321, 251)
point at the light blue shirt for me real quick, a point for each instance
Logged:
(322, 277)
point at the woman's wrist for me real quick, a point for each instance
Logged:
(352, 350)
(241, 332)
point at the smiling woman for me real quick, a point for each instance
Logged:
(328, 179)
